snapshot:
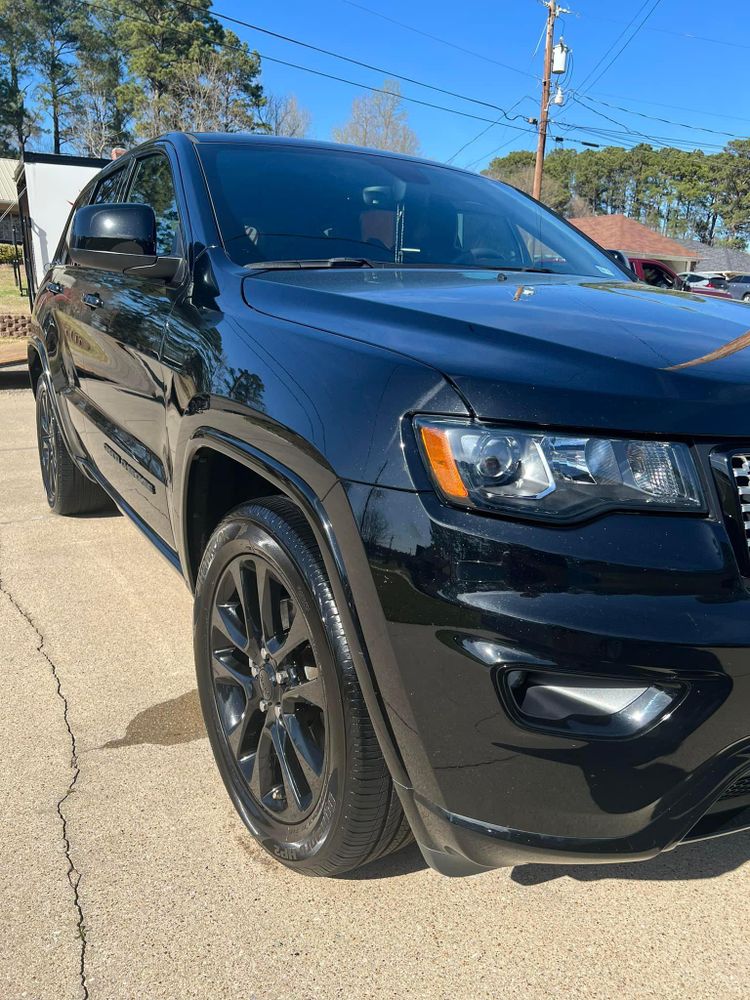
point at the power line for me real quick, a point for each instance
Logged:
(338, 55)
(328, 76)
(664, 142)
(436, 38)
(654, 118)
(492, 152)
(669, 31)
(626, 44)
(362, 86)
(479, 55)
(622, 35)
(585, 84)
(505, 114)
(484, 131)
(381, 90)
(676, 107)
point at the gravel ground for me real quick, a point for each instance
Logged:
(126, 873)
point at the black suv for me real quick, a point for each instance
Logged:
(463, 507)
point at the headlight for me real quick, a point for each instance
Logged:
(556, 476)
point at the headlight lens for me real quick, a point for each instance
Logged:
(556, 476)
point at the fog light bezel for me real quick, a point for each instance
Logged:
(622, 725)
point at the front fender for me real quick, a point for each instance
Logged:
(332, 522)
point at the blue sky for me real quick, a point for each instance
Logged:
(662, 72)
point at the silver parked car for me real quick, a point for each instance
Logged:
(739, 287)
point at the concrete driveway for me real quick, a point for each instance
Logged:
(126, 873)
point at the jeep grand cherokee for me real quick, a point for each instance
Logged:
(463, 507)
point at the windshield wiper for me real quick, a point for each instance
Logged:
(298, 265)
(532, 270)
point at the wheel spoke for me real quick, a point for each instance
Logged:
(265, 619)
(310, 691)
(228, 622)
(290, 769)
(259, 779)
(226, 668)
(245, 594)
(308, 754)
(236, 735)
(280, 647)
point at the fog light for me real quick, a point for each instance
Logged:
(585, 706)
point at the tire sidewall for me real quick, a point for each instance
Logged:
(308, 843)
(42, 391)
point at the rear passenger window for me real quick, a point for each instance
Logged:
(108, 187)
(152, 185)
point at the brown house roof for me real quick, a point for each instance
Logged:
(618, 232)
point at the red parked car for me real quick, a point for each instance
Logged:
(653, 272)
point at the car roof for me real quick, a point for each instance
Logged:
(259, 139)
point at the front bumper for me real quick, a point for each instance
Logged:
(647, 599)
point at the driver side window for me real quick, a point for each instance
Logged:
(152, 184)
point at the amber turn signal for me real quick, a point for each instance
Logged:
(444, 469)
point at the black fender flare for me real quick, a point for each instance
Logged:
(286, 481)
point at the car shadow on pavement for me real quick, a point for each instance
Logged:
(15, 378)
(703, 860)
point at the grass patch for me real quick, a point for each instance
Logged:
(10, 300)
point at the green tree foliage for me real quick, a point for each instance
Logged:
(684, 195)
(733, 199)
(517, 168)
(18, 122)
(157, 38)
(100, 76)
(99, 120)
(56, 37)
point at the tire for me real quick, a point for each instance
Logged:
(746, 297)
(282, 705)
(68, 490)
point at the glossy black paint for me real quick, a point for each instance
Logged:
(125, 229)
(307, 380)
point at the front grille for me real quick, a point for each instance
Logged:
(740, 787)
(741, 473)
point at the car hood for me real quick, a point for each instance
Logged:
(579, 352)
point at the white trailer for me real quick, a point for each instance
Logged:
(48, 185)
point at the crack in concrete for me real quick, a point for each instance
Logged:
(74, 876)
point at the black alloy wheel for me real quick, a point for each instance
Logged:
(281, 701)
(68, 490)
(47, 437)
(268, 689)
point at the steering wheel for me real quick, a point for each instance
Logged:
(483, 255)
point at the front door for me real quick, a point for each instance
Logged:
(125, 321)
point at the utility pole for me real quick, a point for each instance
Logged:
(552, 12)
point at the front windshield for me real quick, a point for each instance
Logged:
(291, 203)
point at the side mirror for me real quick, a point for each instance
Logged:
(119, 238)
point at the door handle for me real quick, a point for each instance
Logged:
(55, 287)
(93, 300)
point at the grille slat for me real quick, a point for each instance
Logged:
(741, 471)
(739, 787)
